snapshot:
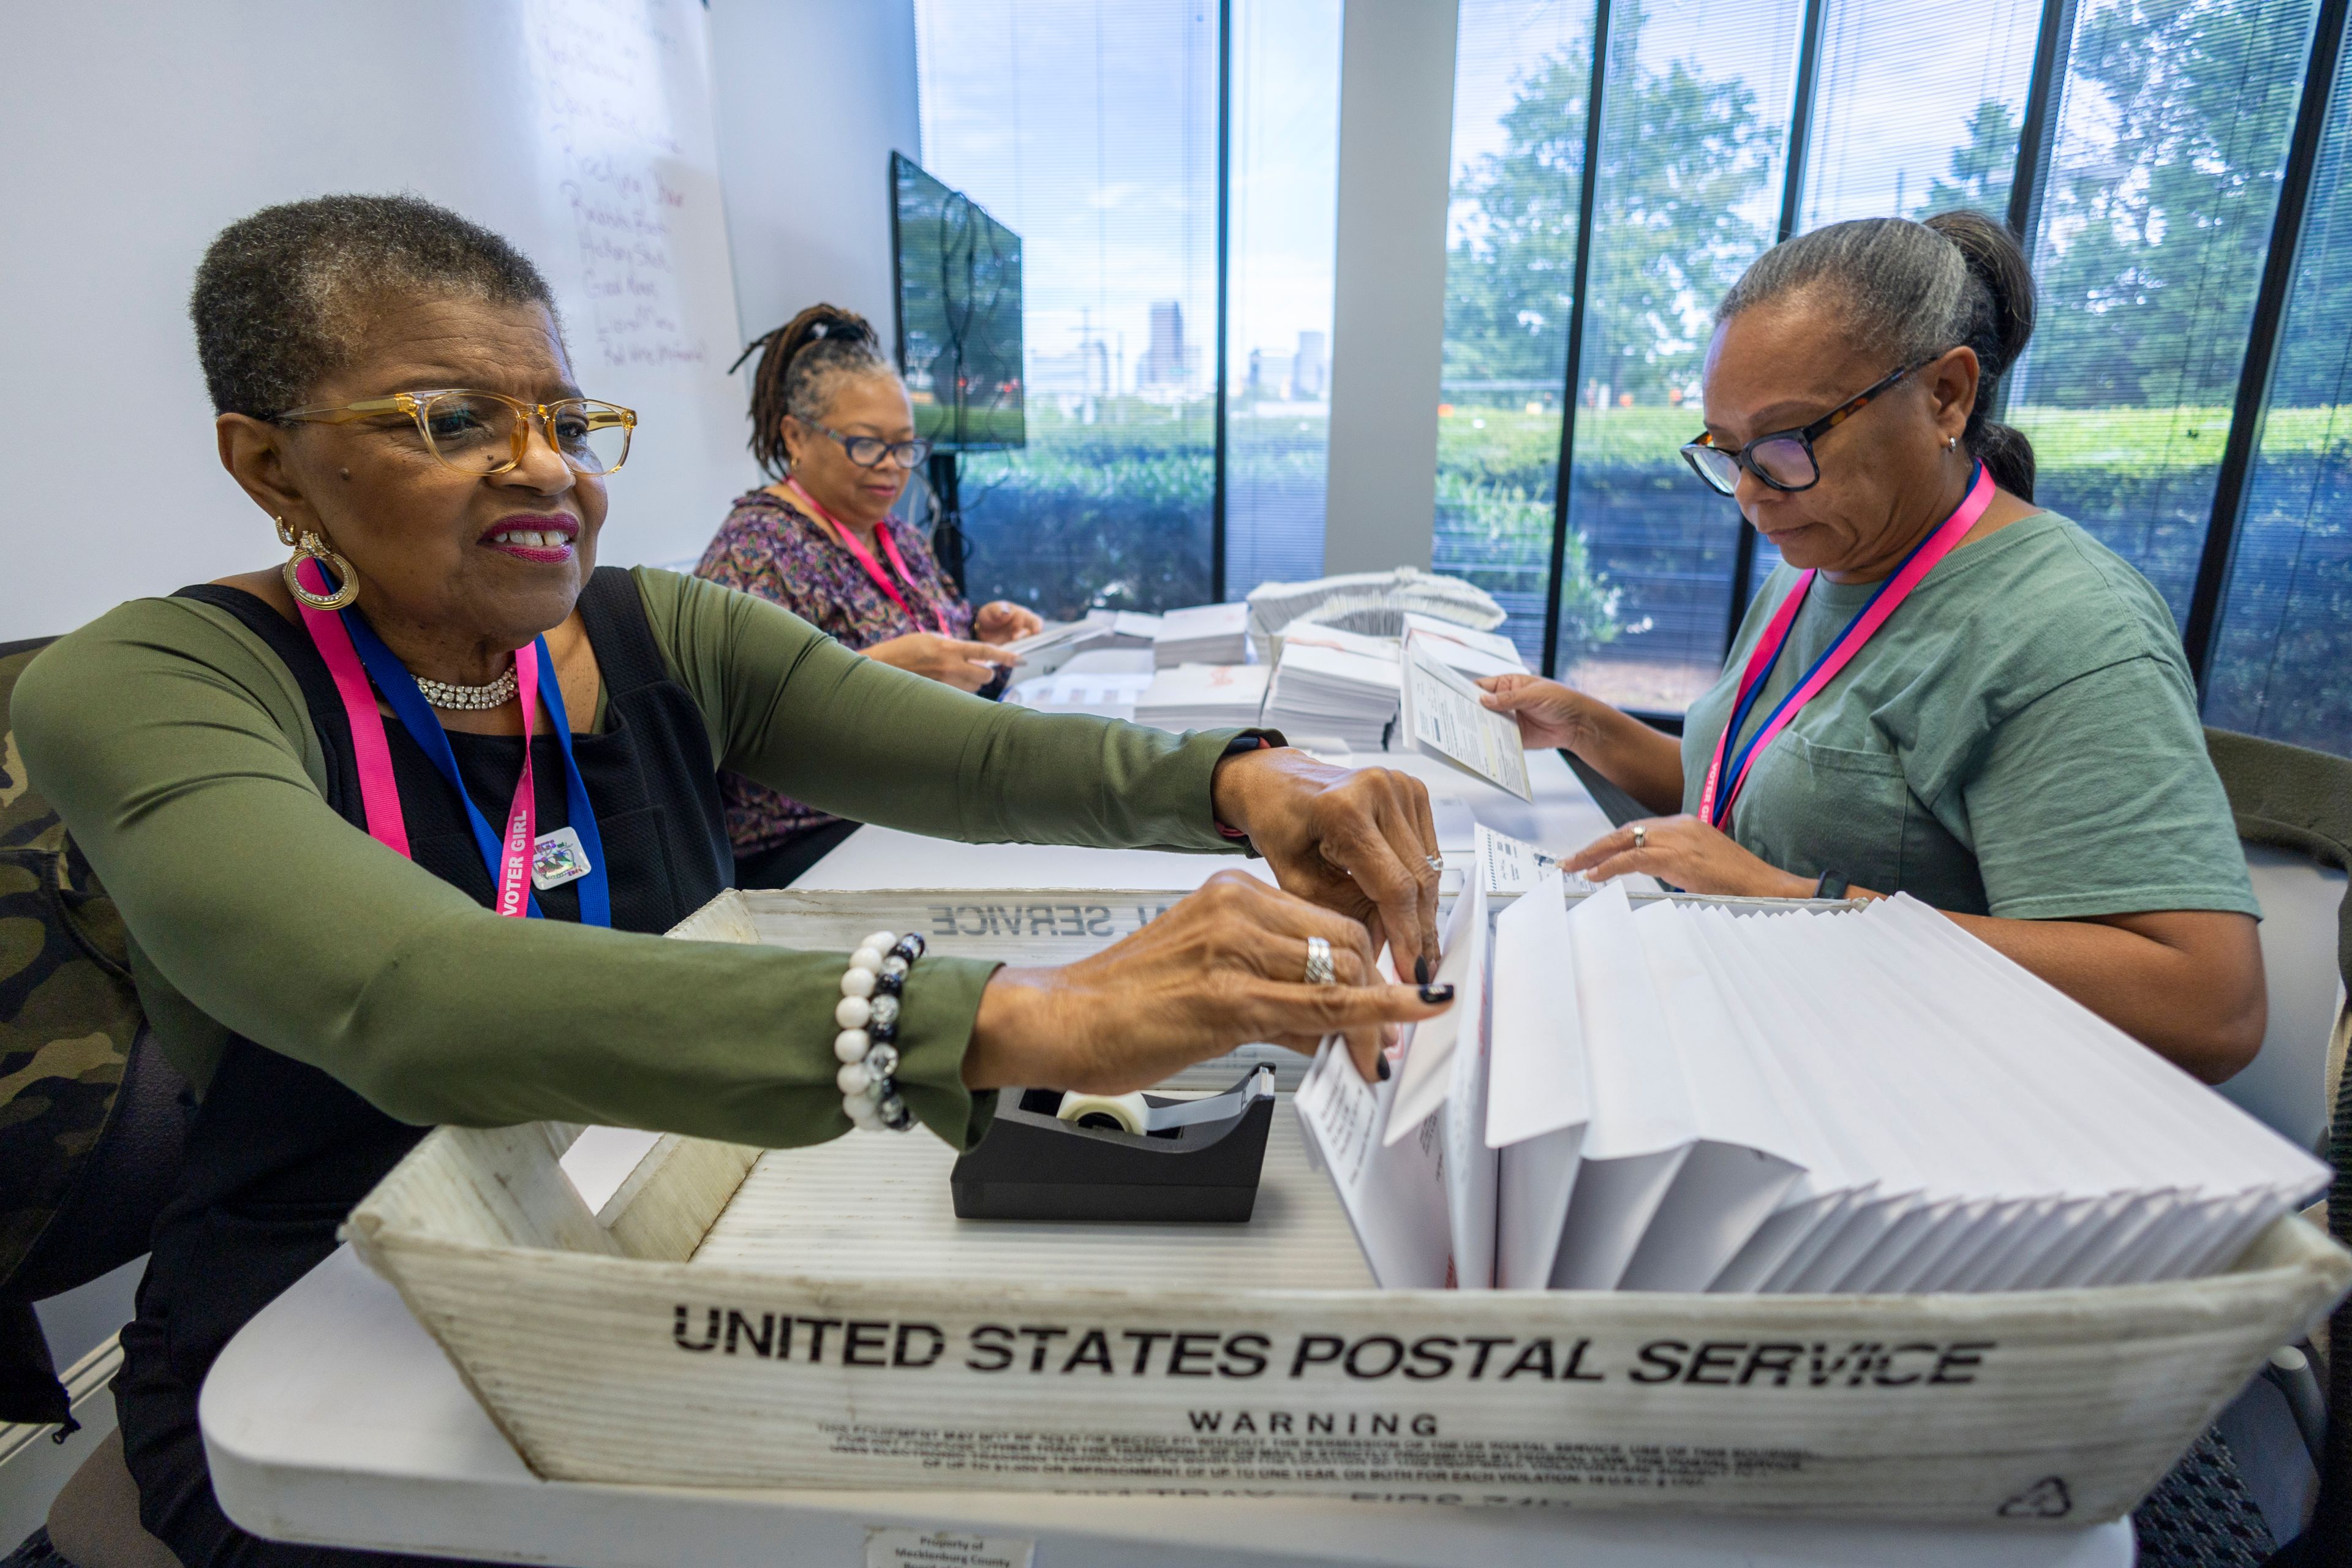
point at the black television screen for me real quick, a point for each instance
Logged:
(957, 272)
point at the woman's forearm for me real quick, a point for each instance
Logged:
(1645, 763)
(2188, 983)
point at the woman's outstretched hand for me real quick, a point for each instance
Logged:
(1360, 841)
(1224, 967)
(966, 666)
(1003, 621)
(1549, 714)
(1690, 854)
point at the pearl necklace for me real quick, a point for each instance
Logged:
(467, 698)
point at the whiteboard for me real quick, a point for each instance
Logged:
(582, 129)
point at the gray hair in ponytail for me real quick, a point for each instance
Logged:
(1958, 280)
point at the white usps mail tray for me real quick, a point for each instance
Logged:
(739, 1317)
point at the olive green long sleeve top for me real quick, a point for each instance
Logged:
(180, 753)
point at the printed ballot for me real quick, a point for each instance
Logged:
(1442, 717)
(1686, 1096)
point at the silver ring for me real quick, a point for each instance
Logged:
(1318, 962)
(1436, 862)
(1641, 837)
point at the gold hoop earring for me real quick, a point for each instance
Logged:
(313, 548)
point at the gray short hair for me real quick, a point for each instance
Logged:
(1958, 280)
(281, 296)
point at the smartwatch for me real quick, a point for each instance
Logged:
(1831, 885)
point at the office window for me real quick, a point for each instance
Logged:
(1693, 124)
(1522, 71)
(2171, 136)
(2283, 666)
(1090, 127)
(1912, 116)
(1285, 156)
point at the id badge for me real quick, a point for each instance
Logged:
(556, 858)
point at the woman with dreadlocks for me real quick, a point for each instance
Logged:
(830, 425)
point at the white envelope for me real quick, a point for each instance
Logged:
(1394, 1195)
(1537, 1099)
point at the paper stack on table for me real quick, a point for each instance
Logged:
(1105, 682)
(1206, 633)
(1333, 685)
(1203, 696)
(1684, 1098)
(1442, 717)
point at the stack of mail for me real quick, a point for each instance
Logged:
(1203, 696)
(1055, 643)
(1680, 1097)
(1330, 685)
(1206, 633)
(1105, 682)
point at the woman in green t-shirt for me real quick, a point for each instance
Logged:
(1943, 689)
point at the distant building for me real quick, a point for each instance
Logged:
(1310, 371)
(1085, 373)
(1168, 364)
(1269, 376)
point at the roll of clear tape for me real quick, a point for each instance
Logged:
(1107, 1112)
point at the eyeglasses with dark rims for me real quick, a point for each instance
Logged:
(1784, 459)
(485, 433)
(868, 451)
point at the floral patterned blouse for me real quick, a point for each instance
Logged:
(770, 547)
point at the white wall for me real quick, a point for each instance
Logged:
(1388, 327)
(135, 131)
(813, 97)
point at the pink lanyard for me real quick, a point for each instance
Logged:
(1890, 595)
(380, 794)
(865, 557)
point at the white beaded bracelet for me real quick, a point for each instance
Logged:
(871, 991)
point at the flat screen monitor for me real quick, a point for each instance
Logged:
(958, 276)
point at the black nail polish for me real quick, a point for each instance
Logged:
(1435, 993)
(1421, 970)
(1384, 1059)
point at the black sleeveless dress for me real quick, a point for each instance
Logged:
(278, 1151)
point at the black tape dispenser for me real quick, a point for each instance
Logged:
(1050, 1156)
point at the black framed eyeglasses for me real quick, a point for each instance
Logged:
(1784, 459)
(868, 451)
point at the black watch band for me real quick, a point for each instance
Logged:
(1831, 885)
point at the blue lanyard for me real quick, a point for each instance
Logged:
(416, 716)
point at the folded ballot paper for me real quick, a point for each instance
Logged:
(1680, 1097)
(1441, 717)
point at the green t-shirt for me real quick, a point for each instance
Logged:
(2020, 739)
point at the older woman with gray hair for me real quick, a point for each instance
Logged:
(288, 778)
(1943, 689)
(832, 426)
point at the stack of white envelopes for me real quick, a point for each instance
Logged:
(1335, 684)
(1203, 696)
(1682, 1097)
(1203, 634)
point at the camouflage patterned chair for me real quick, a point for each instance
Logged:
(91, 1113)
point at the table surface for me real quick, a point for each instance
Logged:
(334, 1418)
